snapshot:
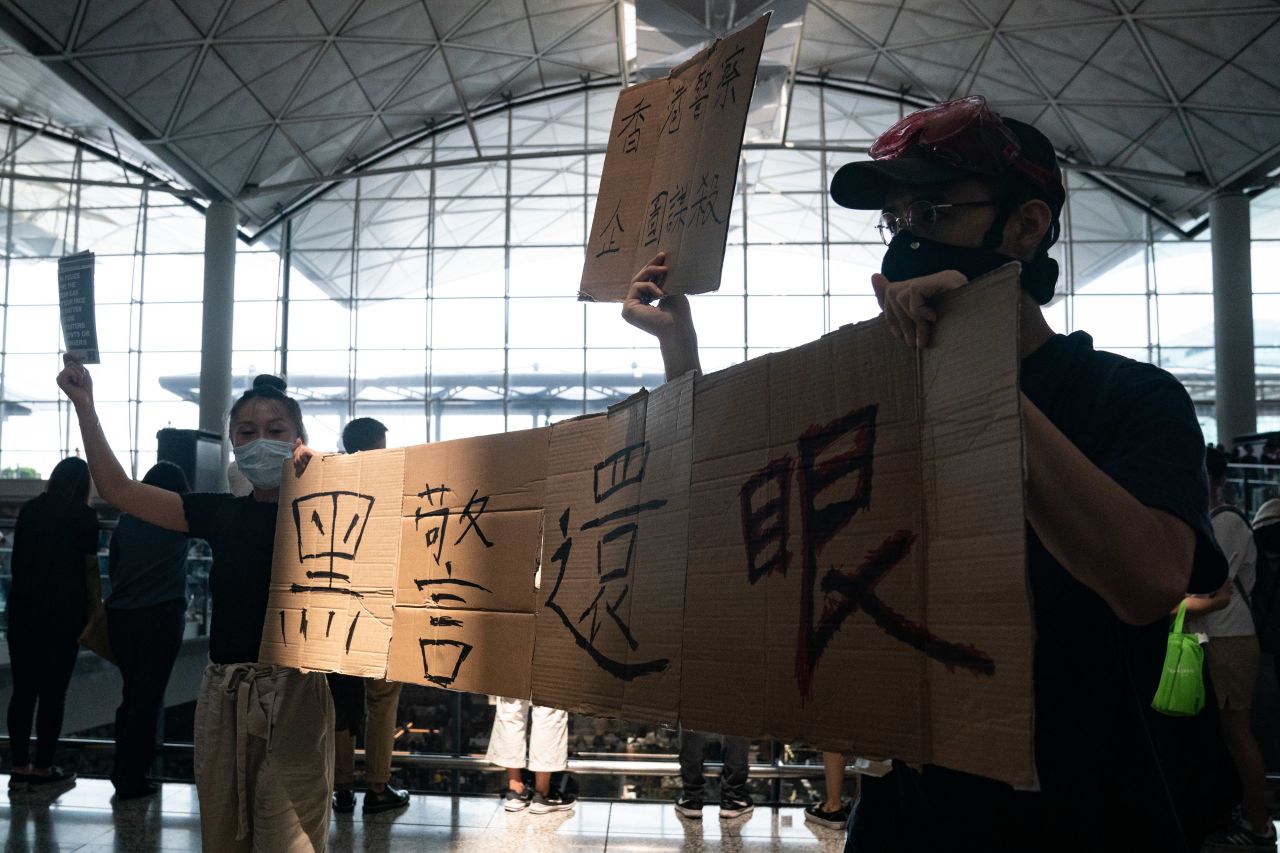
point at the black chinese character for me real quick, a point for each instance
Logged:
(631, 123)
(610, 232)
(728, 73)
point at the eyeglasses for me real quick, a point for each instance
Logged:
(965, 133)
(920, 214)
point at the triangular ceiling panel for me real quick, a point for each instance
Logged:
(992, 10)
(1091, 80)
(271, 72)
(1224, 88)
(1226, 155)
(381, 70)
(1131, 124)
(154, 99)
(202, 13)
(217, 99)
(99, 17)
(279, 162)
(1105, 143)
(329, 89)
(1056, 56)
(1186, 66)
(870, 22)
(230, 155)
(310, 136)
(127, 74)
(1260, 56)
(53, 16)
(152, 21)
(1000, 77)
(550, 27)
(927, 23)
(1045, 12)
(1121, 61)
(943, 66)
(392, 20)
(496, 24)
(1168, 140)
(280, 18)
(428, 92)
(332, 12)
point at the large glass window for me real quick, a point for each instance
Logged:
(442, 301)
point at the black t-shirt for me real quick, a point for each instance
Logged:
(1101, 783)
(50, 543)
(241, 533)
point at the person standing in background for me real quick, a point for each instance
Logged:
(55, 546)
(146, 614)
(354, 697)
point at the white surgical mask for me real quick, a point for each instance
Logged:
(260, 461)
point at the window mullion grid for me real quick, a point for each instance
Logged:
(11, 157)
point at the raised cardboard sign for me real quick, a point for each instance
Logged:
(670, 171)
(823, 544)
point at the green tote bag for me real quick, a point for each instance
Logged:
(1181, 690)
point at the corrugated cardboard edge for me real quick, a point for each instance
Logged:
(992, 461)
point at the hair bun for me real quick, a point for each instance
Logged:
(267, 382)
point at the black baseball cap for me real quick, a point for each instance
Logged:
(862, 185)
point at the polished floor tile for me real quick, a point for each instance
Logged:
(85, 819)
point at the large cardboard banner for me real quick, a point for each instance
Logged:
(824, 544)
(670, 171)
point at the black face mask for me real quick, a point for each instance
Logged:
(909, 256)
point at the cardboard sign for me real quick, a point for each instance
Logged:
(670, 171)
(334, 566)
(860, 541)
(825, 544)
(471, 535)
(75, 299)
(614, 557)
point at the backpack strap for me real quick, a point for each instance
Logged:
(1243, 594)
(1234, 510)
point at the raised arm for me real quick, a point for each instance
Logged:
(670, 321)
(150, 503)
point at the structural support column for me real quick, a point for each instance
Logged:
(219, 307)
(1236, 407)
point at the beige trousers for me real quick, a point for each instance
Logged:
(262, 759)
(381, 700)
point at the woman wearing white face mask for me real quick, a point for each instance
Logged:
(263, 752)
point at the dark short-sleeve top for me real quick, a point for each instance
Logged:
(241, 534)
(147, 565)
(1094, 676)
(50, 544)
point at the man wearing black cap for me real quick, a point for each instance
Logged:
(1117, 524)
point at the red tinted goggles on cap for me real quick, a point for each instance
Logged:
(962, 133)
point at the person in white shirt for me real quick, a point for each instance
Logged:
(1231, 658)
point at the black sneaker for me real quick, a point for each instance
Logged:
(55, 776)
(137, 792)
(1240, 837)
(731, 808)
(837, 819)
(18, 781)
(344, 800)
(552, 802)
(388, 800)
(516, 801)
(690, 807)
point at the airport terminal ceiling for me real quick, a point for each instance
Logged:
(404, 140)
(268, 103)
